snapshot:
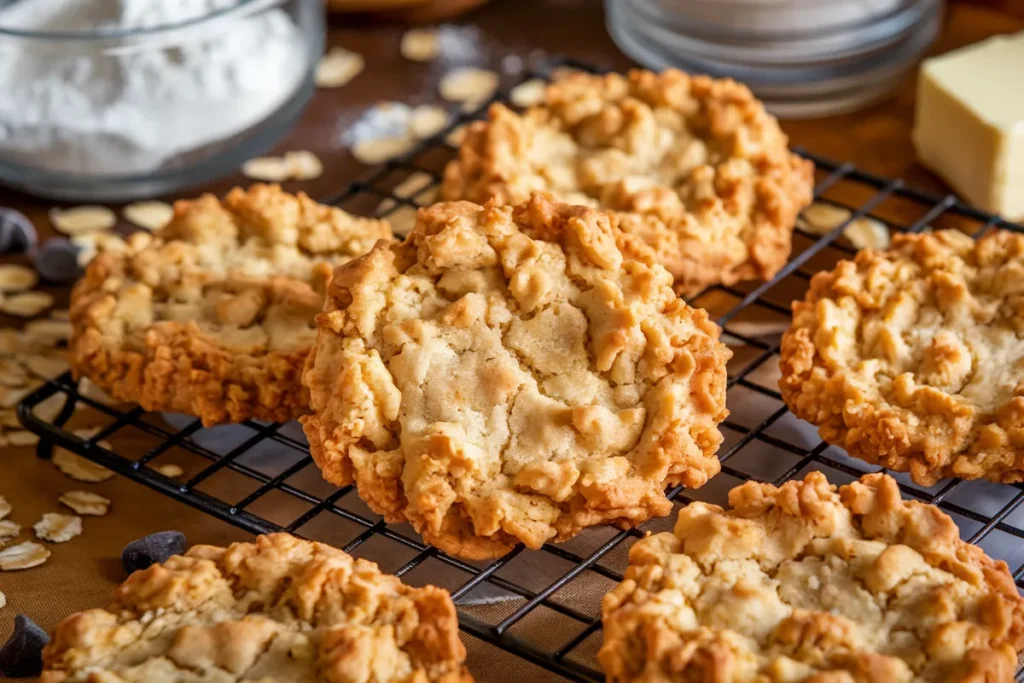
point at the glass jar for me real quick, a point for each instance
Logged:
(802, 57)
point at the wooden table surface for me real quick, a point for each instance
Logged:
(876, 140)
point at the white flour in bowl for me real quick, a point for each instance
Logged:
(132, 107)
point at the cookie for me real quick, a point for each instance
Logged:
(911, 358)
(692, 165)
(506, 375)
(277, 610)
(806, 584)
(213, 316)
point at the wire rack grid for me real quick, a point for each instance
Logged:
(542, 606)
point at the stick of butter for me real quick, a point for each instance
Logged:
(969, 125)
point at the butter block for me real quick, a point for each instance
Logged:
(969, 123)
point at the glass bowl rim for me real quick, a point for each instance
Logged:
(241, 7)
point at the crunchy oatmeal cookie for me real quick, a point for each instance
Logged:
(213, 316)
(804, 583)
(693, 166)
(277, 610)
(506, 375)
(912, 358)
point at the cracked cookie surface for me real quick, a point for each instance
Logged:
(809, 584)
(912, 358)
(692, 165)
(279, 610)
(507, 375)
(213, 315)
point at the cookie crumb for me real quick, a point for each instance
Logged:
(23, 556)
(86, 503)
(58, 528)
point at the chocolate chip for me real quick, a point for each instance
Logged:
(22, 654)
(57, 261)
(16, 231)
(152, 549)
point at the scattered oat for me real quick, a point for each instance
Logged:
(49, 408)
(3, 600)
(822, 217)
(267, 169)
(753, 329)
(170, 470)
(47, 332)
(5, 507)
(12, 374)
(81, 219)
(46, 367)
(26, 304)
(338, 67)
(23, 556)
(529, 93)
(426, 120)
(468, 84)
(303, 165)
(15, 278)
(457, 135)
(867, 233)
(22, 437)
(151, 215)
(58, 528)
(11, 397)
(86, 503)
(412, 185)
(89, 390)
(60, 314)
(79, 468)
(379, 150)
(9, 529)
(420, 45)
(402, 219)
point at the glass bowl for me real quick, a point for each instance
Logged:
(802, 57)
(114, 114)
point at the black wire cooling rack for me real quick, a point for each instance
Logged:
(543, 606)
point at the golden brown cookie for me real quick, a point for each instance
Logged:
(506, 375)
(279, 610)
(912, 358)
(807, 584)
(693, 166)
(213, 316)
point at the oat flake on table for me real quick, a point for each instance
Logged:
(5, 507)
(151, 215)
(23, 556)
(9, 529)
(3, 600)
(79, 468)
(338, 67)
(22, 438)
(85, 503)
(26, 304)
(17, 278)
(58, 528)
